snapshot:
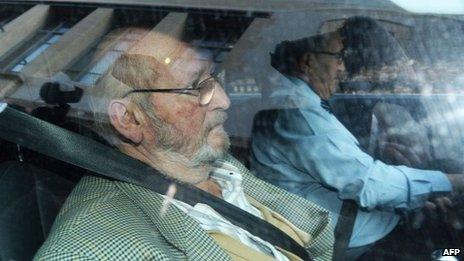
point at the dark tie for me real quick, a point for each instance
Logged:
(326, 105)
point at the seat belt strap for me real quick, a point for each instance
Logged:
(72, 148)
(344, 229)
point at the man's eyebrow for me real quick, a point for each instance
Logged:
(197, 75)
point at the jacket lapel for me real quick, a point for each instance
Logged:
(176, 227)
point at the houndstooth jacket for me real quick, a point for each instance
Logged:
(111, 220)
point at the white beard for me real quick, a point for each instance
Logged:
(181, 149)
(208, 154)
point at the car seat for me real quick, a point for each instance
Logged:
(30, 199)
(33, 187)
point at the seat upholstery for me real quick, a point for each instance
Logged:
(30, 199)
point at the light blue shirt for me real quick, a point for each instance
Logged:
(310, 153)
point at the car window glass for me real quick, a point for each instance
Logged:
(385, 98)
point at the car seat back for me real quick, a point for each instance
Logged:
(30, 199)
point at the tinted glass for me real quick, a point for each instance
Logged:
(318, 104)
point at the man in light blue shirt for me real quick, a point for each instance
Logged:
(310, 153)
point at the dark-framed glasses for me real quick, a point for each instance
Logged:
(337, 55)
(204, 90)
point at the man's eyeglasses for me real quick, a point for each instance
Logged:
(204, 90)
(337, 55)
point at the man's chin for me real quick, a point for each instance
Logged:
(207, 154)
(218, 138)
(215, 148)
(220, 144)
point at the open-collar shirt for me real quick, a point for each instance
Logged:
(229, 179)
(310, 153)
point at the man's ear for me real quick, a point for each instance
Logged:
(126, 119)
(304, 63)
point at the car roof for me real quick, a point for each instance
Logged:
(245, 5)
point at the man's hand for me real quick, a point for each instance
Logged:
(457, 182)
(400, 154)
(442, 209)
(401, 140)
(439, 206)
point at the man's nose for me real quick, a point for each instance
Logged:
(220, 99)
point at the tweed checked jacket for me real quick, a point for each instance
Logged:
(112, 220)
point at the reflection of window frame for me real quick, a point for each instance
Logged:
(219, 50)
(4, 21)
(28, 36)
(220, 40)
(89, 66)
(97, 57)
(49, 37)
(12, 14)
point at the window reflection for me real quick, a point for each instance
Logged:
(42, 41)
(415, 101)
(90, 74)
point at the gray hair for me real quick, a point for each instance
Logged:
(128, 72)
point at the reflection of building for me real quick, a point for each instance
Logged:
(83, 41)
(96, 61)
(38, 41)
(434, 46)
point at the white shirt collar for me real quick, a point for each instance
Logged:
(229, 179)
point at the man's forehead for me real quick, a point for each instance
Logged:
(165, 48)
(333, 41)
(328, 42)
(158, 60)
(193, 61)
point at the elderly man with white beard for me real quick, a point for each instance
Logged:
(164, 108)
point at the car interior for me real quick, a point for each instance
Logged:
(33, 186)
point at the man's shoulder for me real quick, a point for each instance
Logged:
(286, 120)
(98, 196)
(100, 221)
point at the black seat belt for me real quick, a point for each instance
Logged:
(344, 229)
(72, 148)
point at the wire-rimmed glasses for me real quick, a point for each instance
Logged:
(203, 89)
